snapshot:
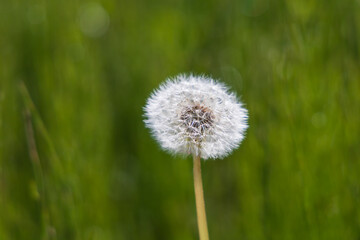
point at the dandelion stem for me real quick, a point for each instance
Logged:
(199, 198)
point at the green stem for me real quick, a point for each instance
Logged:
(199, 197)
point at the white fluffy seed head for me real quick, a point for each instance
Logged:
(196, 115)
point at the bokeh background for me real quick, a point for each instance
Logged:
(76, 161)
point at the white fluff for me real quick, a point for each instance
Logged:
(196, 115)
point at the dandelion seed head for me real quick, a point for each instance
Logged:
(196, 115)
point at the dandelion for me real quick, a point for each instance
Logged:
(198, 116)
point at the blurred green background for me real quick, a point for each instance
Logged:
(76, 161)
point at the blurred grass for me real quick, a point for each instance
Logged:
(87, 68)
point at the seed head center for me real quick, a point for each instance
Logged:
(197, 119)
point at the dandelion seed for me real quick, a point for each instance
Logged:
(196, 115)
